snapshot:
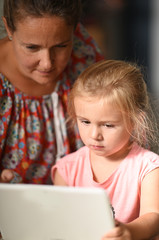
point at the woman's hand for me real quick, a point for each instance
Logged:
(6, 176)
(119, 232)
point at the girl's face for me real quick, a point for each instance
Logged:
(42, 47)
(101, 127)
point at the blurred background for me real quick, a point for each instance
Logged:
(126, 30)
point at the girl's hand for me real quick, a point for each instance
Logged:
(6, 176)
(120, 232)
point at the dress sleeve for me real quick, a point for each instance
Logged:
(85, 46)
(61, 166)
(84, 53)
(150, 163)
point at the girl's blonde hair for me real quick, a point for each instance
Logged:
(122, 84)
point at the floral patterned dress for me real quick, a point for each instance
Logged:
(33, 131)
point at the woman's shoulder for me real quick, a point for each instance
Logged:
(82, 34)
(85, 52)
(85, 45)
(5, 85)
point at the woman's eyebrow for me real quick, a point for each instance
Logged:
(37, 45)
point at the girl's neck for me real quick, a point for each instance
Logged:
(103, 167)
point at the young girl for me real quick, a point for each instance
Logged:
(109, 102)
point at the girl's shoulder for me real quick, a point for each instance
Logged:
(71, 164)
(143, 154)
(141, 161)
(138, 163)
(72, 161)
(74, 157)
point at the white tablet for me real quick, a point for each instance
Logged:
(45, 212)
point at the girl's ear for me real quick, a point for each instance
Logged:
(9, 32)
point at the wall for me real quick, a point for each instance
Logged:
(1, 5)
(154, 49)
(1, 10)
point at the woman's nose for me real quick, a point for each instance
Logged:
(46, 60)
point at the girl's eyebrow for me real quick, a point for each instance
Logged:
(101, 122)
(80, 117)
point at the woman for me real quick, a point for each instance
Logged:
(44, 52)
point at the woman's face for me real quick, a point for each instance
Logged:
(42, 47)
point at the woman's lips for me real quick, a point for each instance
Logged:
(45, 72)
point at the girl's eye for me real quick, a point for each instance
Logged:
(108, 125)
(86, 122)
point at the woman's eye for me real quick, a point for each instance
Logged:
(31, 47)
(61, 46)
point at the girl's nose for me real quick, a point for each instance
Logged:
(95, 133)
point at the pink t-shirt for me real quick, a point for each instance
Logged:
(124, 184)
